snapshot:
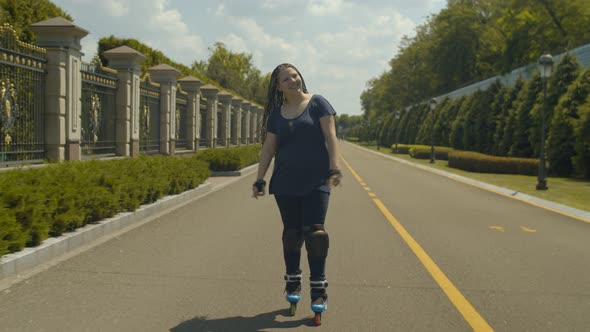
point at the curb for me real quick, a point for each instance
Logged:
(535, 201)
(28, 258)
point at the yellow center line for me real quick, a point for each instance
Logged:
(471, 315)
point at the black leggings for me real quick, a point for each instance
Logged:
(302, 216)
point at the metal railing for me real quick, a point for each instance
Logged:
(149, 117)
(99, 90)
(22, 100)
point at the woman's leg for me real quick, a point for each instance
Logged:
(290, 209)
(315, 208)
(317, 242)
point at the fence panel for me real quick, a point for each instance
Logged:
(203, 127)
(220, 126)
(99, 87)
(22, 100)
(181, 120)
(149, 117)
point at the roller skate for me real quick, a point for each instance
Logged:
(293, 290)
(319, 300)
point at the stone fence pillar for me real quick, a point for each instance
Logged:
(246, 116)
(127, 62)
(192, 87)
(254, 123)
(236, 120)
(225, 100)
(63, 89)
(210, 92)
(166, 76)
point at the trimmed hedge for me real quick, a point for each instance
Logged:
(39, 203)
(482, 163)
(230, 159)
(423, 152)
(405, 148)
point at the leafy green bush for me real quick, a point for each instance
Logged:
(352, 139)
(423, 152)
(231, 159)
(481, 163)
(405, 148)
(38, 203)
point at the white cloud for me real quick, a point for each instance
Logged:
(325, 7)
(114, 8)
(235, 43)
(337, 44)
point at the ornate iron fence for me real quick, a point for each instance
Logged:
(99, 87)
(203, 125)
(22, 100)
(220, 127)
(149, 116)
(232, 126)
(181, 119)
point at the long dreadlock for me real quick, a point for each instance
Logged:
(275, 97)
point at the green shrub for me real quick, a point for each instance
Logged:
(11, 236)
(423, 152)
(231, 159)
(481, 163)
(405, 148)
(38, 203)
(352, 139)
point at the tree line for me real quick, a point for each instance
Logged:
(472, 40)
(502, 121)
(232, 71)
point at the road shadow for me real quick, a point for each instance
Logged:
(256, 323)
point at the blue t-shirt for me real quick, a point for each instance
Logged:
(301, 161)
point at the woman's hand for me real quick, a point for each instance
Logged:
(334, 178)
(258, 188)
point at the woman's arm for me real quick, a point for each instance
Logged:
(329, 129)
(268, 151)
(266, 154)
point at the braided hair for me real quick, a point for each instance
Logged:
(275, 97)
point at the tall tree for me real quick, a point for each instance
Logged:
(233, 71)
(22, 13)
(565, 74)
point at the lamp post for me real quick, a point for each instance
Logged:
(397, 116)
(432, 105)
(545, 66)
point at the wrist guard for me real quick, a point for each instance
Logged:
(259, 184)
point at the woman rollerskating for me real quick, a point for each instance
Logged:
(298, 130)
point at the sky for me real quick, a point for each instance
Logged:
(337, 45)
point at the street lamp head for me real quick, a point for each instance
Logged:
(432, 104)
(545, 65)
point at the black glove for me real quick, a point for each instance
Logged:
(260, 184)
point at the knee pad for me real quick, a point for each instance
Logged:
(292, 239)
(317, 241)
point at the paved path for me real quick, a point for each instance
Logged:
(410, 251)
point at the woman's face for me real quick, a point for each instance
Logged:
(289, 81)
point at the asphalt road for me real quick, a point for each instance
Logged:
(410, 251)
